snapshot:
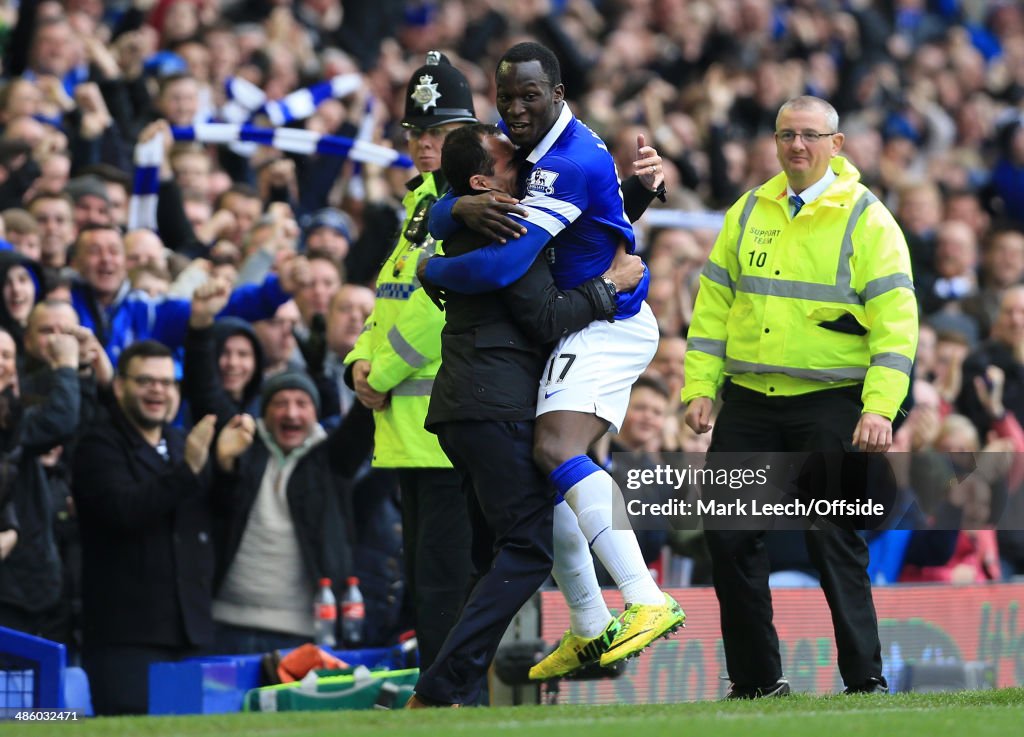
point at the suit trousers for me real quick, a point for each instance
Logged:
(824, 422)
(512, 507)
(436, 540)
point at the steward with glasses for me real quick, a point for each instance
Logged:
(806, 322)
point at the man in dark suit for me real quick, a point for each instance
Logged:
(147, 556)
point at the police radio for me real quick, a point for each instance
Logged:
(416, 231)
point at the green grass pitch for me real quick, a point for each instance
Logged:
(970, 714)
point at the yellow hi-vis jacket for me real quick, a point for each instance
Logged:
(402, 341)
(772, 280)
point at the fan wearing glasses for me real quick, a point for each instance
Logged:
(142, 493)
(806, 321)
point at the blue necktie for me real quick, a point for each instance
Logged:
(796, 204)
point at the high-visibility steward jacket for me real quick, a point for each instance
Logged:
(788, 306)
(402, 340)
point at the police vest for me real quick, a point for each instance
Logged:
(402, 340)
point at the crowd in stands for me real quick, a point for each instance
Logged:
(264, 263)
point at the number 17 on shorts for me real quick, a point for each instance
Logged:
(593, 370)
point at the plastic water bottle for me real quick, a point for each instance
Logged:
(353, 613)
(325, 614)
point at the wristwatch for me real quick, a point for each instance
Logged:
(608, 303)
(610, 286)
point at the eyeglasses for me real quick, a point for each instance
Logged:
(438, 133)
(809, 137)
(145, 381)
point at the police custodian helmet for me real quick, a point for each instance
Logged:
(438, 93)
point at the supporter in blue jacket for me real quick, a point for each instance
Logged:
(106, 304)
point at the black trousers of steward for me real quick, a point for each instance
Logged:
(821, 423)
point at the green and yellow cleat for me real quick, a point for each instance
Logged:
(574, 653)
(641, 625)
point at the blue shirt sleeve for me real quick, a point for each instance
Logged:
(169, 320)
(556, 195)
(442, 223)
(254, 302)
(492, 267)
(168, 317)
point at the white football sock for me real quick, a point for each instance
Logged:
(573, 571)
(618, 550)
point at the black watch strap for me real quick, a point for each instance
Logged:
(603, 291)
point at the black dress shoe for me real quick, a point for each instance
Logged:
(871, 685)
(779, 688)
(419, 702)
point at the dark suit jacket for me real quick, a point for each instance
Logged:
(147, 548)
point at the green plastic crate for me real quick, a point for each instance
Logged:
(333, 692)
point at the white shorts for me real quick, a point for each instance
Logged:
(593, 371)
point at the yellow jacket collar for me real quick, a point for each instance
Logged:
(847, 177)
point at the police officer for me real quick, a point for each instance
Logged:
(806, 306)
(394, 362)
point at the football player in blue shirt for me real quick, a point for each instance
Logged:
(573, 207)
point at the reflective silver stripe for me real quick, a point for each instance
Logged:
(405, 351)
(718, 275)
(894, 361)
(732, 366)
(748, 208)
(413, 388)
(707, 345)
(796, 289)
(884, 284)
(843, 279)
